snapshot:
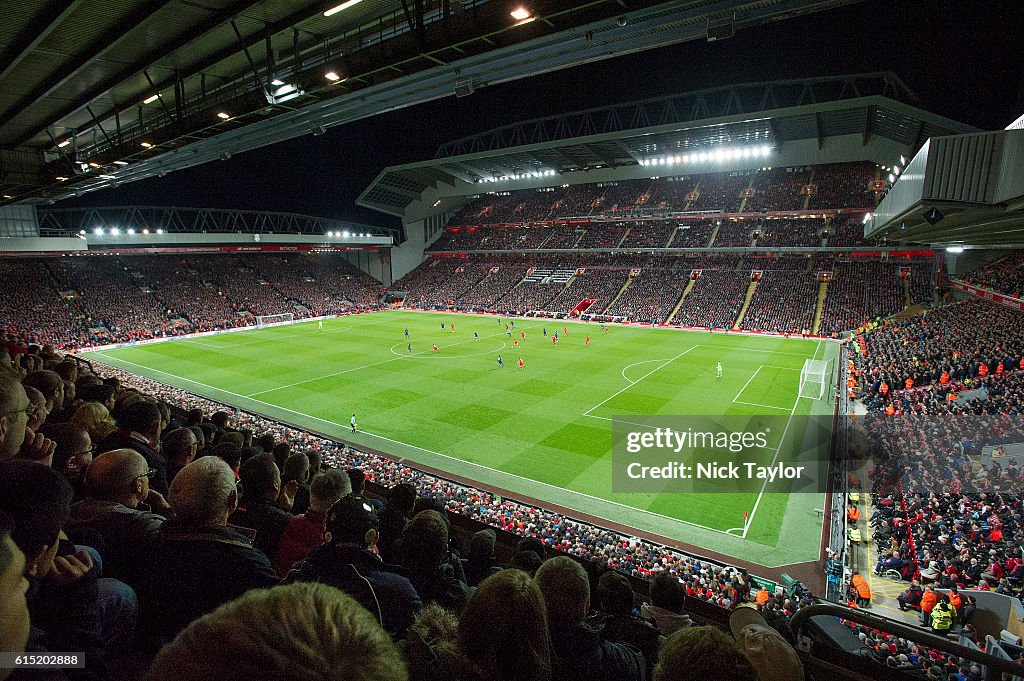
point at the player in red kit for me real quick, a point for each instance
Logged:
(588, 340)
(522, 334)
(554, 341)
(434, 346)
(515, 342)
(521, 365)
(565, 331)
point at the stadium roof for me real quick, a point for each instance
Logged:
(143, 82)
(639, 133)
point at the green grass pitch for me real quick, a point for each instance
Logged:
(542, 431)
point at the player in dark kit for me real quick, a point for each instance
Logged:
(500, 363)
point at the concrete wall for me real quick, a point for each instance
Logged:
(18, 221)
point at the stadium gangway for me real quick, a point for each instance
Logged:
(827, 660)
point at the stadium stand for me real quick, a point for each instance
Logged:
(783, 303)
(715, 300)
(1005, 275)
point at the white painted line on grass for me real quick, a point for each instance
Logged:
(656, 369)
(758, 404)
(646, 361)
(756, 371)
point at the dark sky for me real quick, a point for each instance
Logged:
(963, 59)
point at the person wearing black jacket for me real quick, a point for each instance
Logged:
(199, 561)
(348, 560)
(258, 509)
(581, 650)
(138, 428)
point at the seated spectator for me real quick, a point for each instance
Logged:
(51, 385)
(503, 631)
(258, 510)
(615, 616)
(15, 629)
(703, 653)
(580, 651)
(305, 531)
(138, 428)
(481, 563)
(72, 454)
(358, 480)
(198, 554)
(770, 654)
(95, 418)
(393, 517)
(347, 560)
(666, 605)
(179, 447)
(299, 631)
(63, 597)
(117, 484)
(296, 467)
(424, 550)
(14, 407)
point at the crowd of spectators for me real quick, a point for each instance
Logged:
(844, 185)
(600, 285)
(79, 301)
(783, 302)
(1005, 275)
(789, 233)
(715, 300)
(693, 235)
(863, 291)
(651, 295)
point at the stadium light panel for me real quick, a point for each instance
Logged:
(340, 8)
(159, 231)
(332, 76)
(892, 178)
(223, 115)
(64, 143)
(120, 163)
(345, 234)
(114, 231)
(954, 249)
(131, 231)
(277, 82)
(97, 231)
(903, 160)
(107, 177)
(146, 145)
(151, 98)
(145, 231)
(520, 14)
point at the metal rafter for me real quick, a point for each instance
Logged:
(53, 14)
(95, 50)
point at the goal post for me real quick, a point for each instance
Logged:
(814, 379)
(274, 319)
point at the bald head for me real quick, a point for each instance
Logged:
(118, 475)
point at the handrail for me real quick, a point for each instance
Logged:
(906, 631)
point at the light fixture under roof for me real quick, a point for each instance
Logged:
(340, 8)
(223, 115)
(277, 82)
(520, 14)
(151, 98)
(64, 143)
(120, 163)
(332, 76)
(147, 145)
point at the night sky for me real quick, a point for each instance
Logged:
(965, 60)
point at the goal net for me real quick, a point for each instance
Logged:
(274, 319)
(814, 379)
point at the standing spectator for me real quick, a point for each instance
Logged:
(394, 516)
(481, 563)
(580, 651)
(358, 478)
(424, 551)
(296, 467)
(703, 653)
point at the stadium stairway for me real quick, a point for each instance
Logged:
(629, 280)
(819, 307)
(807, 199)
(679, 303)
(672, 236)
(746, 304)
(714, 235)
(906, 293)
(622, 239)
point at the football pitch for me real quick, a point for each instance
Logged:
(543, 431)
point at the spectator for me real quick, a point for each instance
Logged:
(95, 418)
(503, 631)
(771, 654)
(14, 407)
(179, 447)
(358, 479)
(305, 531)
(666, 604)
(261, 487)
(703, 653)
(138, 428)
(51, 385)
(15, 627)
(118, 486)
(615, 617)
(72, 454)
(424, 550)
(296, 467)
(63, 594)
(297, 631)
(348, 561)
(394, 516)
(481, 563)
(579, 649)
(198, 554)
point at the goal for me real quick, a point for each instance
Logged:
(274, 319)
(814, 379)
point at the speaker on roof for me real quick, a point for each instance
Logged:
(464, 87)
(933, 215)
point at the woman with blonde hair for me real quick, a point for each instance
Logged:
(95, 418)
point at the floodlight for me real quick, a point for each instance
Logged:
(339, 8)
(151, 98)
(954, 249)
(520, 14)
